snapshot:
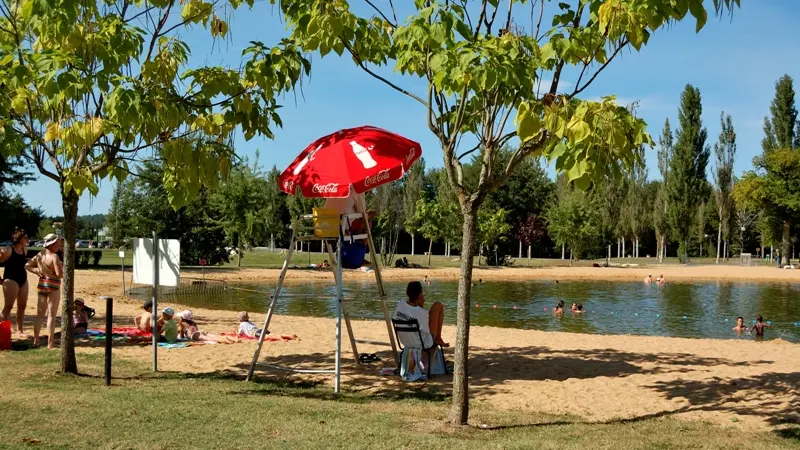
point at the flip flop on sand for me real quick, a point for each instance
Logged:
(370, 358)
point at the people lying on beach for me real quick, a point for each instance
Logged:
(187, 329)
(740, 325)
(430, 321)
(648, 279)
(81, 316)
(167, 328)
(759, 326)
(144, 321)
(247, 328)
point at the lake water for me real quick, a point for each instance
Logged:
(705, 309)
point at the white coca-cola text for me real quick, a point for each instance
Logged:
(383, 175)
(325, 188)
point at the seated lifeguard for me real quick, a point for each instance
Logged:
(354, 203)
(430, 322)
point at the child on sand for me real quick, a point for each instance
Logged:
(247, 328)
(168, 328)
(187, 329)
(144, 320)
(739, 325)
(759, 326)
(81, 316)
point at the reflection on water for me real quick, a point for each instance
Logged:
(707, 309)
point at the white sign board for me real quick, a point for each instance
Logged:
(169, 262)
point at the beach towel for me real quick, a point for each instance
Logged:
(281, 338)
(413, 365)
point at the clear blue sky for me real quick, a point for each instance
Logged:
(734, 63)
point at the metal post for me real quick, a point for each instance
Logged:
(339, 299)
(154, 320)
(109, 319)
(123, 274)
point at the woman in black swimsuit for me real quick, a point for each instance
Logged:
(15, 277)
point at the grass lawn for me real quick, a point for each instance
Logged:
(44, 409)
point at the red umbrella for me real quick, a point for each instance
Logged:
(364, 158)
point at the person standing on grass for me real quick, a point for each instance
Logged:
(430, 322)
(47, 265)
(15, 278)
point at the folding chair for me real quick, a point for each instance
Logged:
(412, 326)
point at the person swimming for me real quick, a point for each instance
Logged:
(661, 279)
(574, 307)
(648, 279)
(559, 308)
(740, 325)
(580, 308)
(759, 326)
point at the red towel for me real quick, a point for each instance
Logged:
(268, 338)
(126, 331)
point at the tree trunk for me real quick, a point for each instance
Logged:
(239, 257)
(570, 257)
(529, 255)
(412, 244)
(719, 241)
(619, 249)
(520, 249)
(430, 251)
(725, 251)
(623, 248)
(70, 204)
(459, 413)
(786, 244)
(608, 258)
(562, 251)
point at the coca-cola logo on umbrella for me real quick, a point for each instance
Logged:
(329, 188)
(381, 176)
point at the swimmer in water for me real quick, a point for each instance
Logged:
(648, 279)
(580, 308)
(427, 281)
(759, 326)
(660, 279)
(574, 307)
(739, 325)
(559, 309)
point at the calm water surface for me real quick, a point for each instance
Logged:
(706, 309)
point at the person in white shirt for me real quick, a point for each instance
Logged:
(430, 322)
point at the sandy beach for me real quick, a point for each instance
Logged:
(598, 378)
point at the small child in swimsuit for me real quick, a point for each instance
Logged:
(578, 309)
(144, 320)
(187, 329)
(247, 328)
(759, 326)
(81, 316)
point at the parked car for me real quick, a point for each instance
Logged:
(104, 244)
(81, 244)
(5, 244)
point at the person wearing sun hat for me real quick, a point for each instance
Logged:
(48, 267)
(188, 330)
(167, 327)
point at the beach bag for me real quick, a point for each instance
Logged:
(413, 364)
(5, 335)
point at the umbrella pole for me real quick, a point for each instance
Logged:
(351, 336)
(376, 267)
(339, 295)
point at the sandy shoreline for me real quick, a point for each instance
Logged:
(671, 273)
(752, 385)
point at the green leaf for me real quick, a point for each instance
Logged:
(547, 51)
(699, 13)
(529, 124)
(579, 131)
(583, 182)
